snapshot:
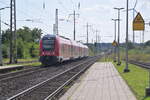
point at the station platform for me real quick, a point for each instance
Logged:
(10, 67)
(100, 82)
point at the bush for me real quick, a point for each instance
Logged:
(5, 50)
(34, 50)
(27, 45)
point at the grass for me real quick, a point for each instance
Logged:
(33, 64)
(28, 64)
(138, 54)
(67, 87)
(137, 79)
(6, 60)
(24, 60)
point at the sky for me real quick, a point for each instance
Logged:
(98, 13)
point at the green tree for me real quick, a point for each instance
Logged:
(36, 34)
(34, 50)
(27, 42)
(25, 34)
(20, 48)
(6, 36)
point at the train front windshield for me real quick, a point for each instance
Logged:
(48, 44)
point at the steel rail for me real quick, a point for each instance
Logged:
(19, 73)
(52, 95)
(140, 64)
(29, 90)
(23, 72)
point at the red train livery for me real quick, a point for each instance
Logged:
(54, 48)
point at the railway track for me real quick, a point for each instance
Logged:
(13, 84)
(27, 71)
(20, 73)
(49, 88)
(141, 64)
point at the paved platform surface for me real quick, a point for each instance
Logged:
(101, 82)
(9, 66)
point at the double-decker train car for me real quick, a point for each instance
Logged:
(54, 48)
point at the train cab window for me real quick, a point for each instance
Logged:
(48, 44)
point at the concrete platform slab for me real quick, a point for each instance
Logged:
(101, 82)
(10, 67)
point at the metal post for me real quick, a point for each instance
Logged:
(115, 39)
(100, 43)
(1, 62)
(96, 42)
(126, 68)
(142, 41)
(147, 90)
(87, 34)
(119, 38)
(133, 19)
(149, 78)
(119, 62)
(56, 23)
(87, 30)
(140, 38)
(13, 38)
(74, 31)
(15, 35)
(133, 30)
(143, 37)
(74, 24)
(54, 29)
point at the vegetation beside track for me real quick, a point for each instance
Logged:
(33, 64)
(6, 60)
(29, 64)
(27, 42)
(138, 54)
(137, 79)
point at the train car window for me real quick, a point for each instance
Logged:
(63, 49)
(48, 44)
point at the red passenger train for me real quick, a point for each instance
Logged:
(54, 48)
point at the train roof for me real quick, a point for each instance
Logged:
(64, 37)
(48, 36)
(74, 42)
(53, 35)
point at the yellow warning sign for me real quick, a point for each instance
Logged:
(114, 43)
(138, 23)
